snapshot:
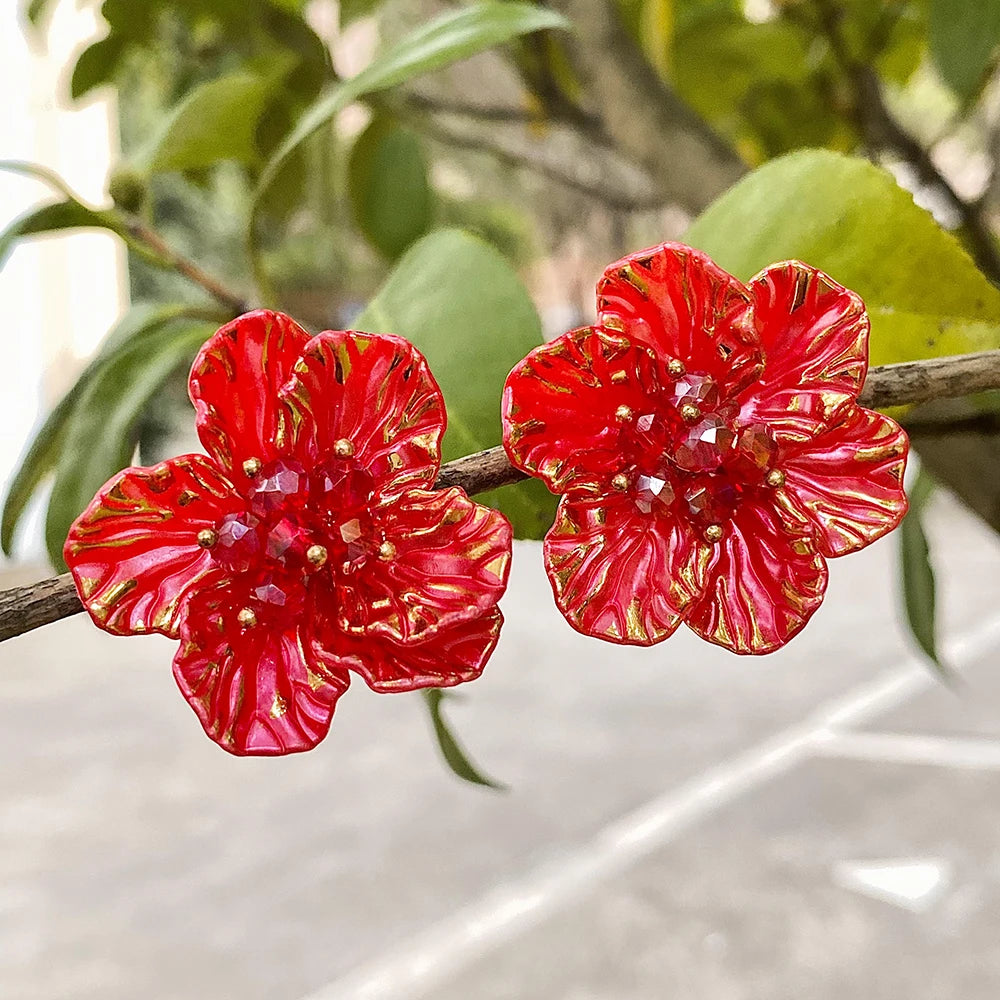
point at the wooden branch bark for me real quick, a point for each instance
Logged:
(689, 163)
(25, 608)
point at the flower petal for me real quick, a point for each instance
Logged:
(234, 387)
(560, 403)
(621, 575)
(448, 563)
(452, 656)
(765, 580)
(679, 302)
(257, 690)
(134, 551)
(815, 338)
(850, 480)
(376, 392)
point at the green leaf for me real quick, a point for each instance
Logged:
(53, 218)
(449, 38)
(925, 296)
(97, 65)
(352, 10)
(35, 11)
(216, 121)
(917, 573)
(40, 173)
(963, 36)
(102, 431)
(390, 194)
(464, 307)
(142, 322)
(451, 750)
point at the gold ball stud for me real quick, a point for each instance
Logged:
(251, 467)
(247, 618)
(316, 554)
(776, 478)
(624, 413)
(386, 551)
(207, 537)
(713, 533)
(620, 481)
(343, 448)
(676, 368)
(690, 413)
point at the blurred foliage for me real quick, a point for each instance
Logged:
(250, 154)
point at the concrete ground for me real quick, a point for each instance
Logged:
(682, 823)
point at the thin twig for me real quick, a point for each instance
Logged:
(25, 608)
(138, 232)
(883, 133)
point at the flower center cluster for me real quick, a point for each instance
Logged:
(690, 455)
(297, 524)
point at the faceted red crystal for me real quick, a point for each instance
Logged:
(711, 499)
(653, 492)
(240, 542)
(287, 542)
(697, 390)
(704, 446)
(280, 485)
(337, 486)
(754, 454)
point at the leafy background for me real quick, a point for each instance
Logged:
(467, 185)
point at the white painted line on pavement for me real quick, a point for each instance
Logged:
(435, 955)
(909, 748)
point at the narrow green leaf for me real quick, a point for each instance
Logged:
(917, 573)
(142, 322)
(52, 218)
(449, 38)
(465, 308)
(40, 173)
(455, 757)
(97, 65)
(352, 10)
(391, 196)
(963, 36)
(216, 121)
(102, 432)
(818, 207)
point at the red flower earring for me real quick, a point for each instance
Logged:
(308, 543)
(711, 454)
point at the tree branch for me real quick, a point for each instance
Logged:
(689, 163)
(146, 241)
(25, 608)
(883, 133)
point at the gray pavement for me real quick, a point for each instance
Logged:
(682, 823)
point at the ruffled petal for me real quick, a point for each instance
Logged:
(374, 395)
(452, 656)
(134, 551)
(444, 561)
(765, 580)
(257, 690)
(850, 480)
(679, 302)
(619, 574)
(815, 338)
(234, 387)
(561, 403)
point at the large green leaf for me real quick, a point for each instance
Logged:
(451, 750)
(462, 304)
(453, 36)
(963, 35)
(916, 571)
(215, 121)
(391, 197)
(141, 325)
(102, 432)
(97, 64)
(53, 218)
(925, 296)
